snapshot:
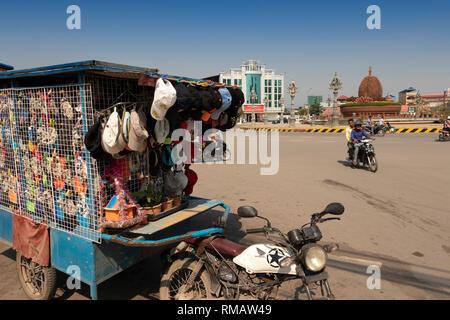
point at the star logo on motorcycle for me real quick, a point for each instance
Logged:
(274, 256)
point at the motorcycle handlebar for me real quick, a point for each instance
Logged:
(257, 230)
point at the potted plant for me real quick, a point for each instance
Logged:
(167, 204)
(176, 201)
(151, 202)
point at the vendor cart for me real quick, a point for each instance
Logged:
(51, 196)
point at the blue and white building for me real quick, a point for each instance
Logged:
(258, 83)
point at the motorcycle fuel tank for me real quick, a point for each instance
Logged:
(265, 258)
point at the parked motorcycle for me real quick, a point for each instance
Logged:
(381, 131)
(215, 267)
(444, 135)
(220, 151)
(366, 155)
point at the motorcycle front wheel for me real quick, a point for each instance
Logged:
(373, 163)
(176, 277)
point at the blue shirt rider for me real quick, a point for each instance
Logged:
(356, 137)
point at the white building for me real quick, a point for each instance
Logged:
(263, 83)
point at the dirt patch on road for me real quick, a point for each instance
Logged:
(387, 206)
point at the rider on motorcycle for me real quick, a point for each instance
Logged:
(348, 134)
(356, 137)
(447, 124)
(380, 125)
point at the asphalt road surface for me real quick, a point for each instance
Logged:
(397, 219)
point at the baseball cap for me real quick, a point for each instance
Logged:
(164, 98)
(192, 180)
(138, 134)
(226, 103)
(112, 140)
(93, 140)
(162, 129)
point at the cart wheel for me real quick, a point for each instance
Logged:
(177, 275)
(38, 282)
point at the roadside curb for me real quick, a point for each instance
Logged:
(342, 130)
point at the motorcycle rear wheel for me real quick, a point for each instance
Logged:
(372, 163)
(177, 275)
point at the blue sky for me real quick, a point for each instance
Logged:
(307, 40)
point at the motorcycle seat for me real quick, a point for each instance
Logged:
(224, 246)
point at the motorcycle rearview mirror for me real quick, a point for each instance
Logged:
(247, 212)
(334, 208)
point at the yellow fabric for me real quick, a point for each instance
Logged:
(348, 133)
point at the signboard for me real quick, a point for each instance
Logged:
(256, 108)
(411, 109)
(253, 85)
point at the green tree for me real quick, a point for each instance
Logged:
(315, 109)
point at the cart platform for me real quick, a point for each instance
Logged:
(138, 237)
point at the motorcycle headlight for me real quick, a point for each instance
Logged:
(314, 258)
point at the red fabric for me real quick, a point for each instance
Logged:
(31, 240)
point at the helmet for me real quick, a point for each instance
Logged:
(358, 123)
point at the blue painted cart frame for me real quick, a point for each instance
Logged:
(98, 262)
(112, 254)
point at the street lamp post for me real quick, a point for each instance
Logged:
(292, 91)
(329, 105)
(253, 98)
(266, 102)
(281, 103)
(335, 86)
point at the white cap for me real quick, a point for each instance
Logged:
(165, 97)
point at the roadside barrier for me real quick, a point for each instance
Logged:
(342, 130)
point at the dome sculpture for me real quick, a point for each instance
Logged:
(370, 87)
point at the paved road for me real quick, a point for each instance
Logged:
(397, 218)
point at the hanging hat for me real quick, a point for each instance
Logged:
(165, 97)
(112, 140)
(174, 118)
(226, 103)
(125, 128)
(206, 99)
(138, 134)
(194, 96)
(175, 183)
(166, 155)
(154, 163)
(162, 129)
(184, 100)
(192, 180)
(237, 101)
